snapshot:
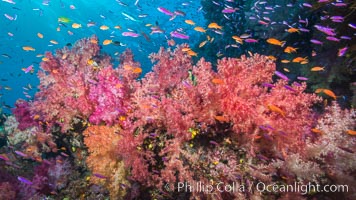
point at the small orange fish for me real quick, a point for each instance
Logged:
(137, 70)
(290, 49)
(76, 25)
(117, 27)
(272, 58)
(286, 69)
(292, 30)
(93, 40)
(192, 53)
(104, 27)
(217, 81)
(315, 130)
(190, 22)
(285, 61)
(214, 25)
(107, 42)
(203, 43)
(28, 48)
(185, 49)
(317, 68)
(45, 59)
(351, 132)
(237, 39)
(274, 41)
(40, 35)
(299, 59)
(36, 117)
(274, 108)
(304, 62)
(200, 29)
(220, 118)
(330, 93)
(53, 42)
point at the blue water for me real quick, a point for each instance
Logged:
(34, 17)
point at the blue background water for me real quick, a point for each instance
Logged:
(36, 17)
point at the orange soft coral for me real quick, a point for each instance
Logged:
(106, 167)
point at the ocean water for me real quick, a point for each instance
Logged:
(250, 99)
(32, 17)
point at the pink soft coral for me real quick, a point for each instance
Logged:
(179, 104)
(66, 81)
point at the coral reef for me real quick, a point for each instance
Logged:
(97, 132)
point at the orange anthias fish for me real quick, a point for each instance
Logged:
(273, 58)
(104, 27)
(40, 35)
(292, 30)
(200, 29)
(299, 59)
(330, 93)
(290, 49)
(107, 42)
(137, 70)
(285, 61)
(317, 68)
(217, 81)
(203, 43)
(276, 109)
(192, 53)
(28, 48)
(237, 39)
(190, 22)
(221, 118)
(274, 41)
(214, 25)
(315, 130)
(76, 25)
(351, 132)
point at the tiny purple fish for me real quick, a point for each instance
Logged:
(307, 5)
(342, 51)
(213, 142)
(333, 39)
(314, 41)
(179, 35)
(165, 11)
(100, 176)
(130, 34)
(344, 37)
(24, 180)
(228, 10)
(304, 30)
(352, 25)
(281, 75)
(302, 78)
(339, 4)
(186, 84)
(28, 69)
(270, 85)
(289, 88)
(250, 40)
(20, 153)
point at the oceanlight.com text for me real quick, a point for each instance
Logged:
(300, 188)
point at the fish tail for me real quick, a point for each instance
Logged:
(283, 43)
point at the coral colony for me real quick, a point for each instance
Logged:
(237, 130)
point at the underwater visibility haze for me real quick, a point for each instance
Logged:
(184, 99)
